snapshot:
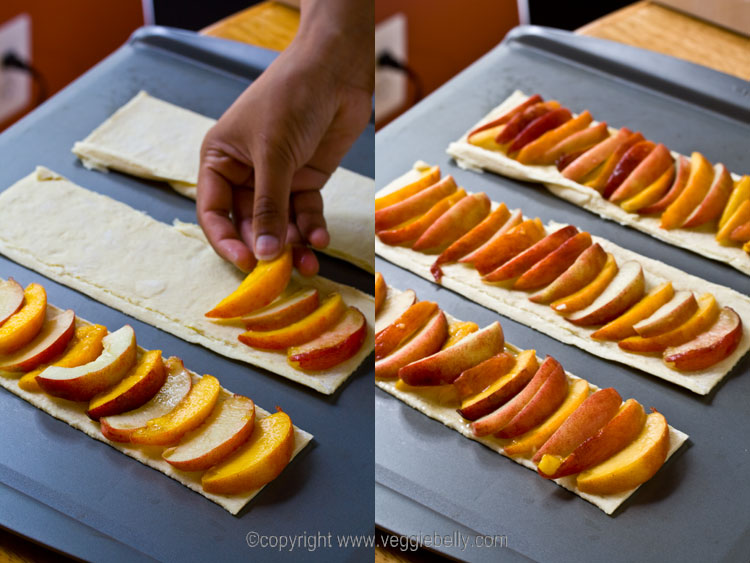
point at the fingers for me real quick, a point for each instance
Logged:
(273, 178)
(305, 261)
(308, 210)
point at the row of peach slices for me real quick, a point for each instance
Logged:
(576, 278)
(316, 335)
(138, 398)
(537, 410)
(625, 168)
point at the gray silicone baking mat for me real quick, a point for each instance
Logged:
(81, 497)
(695, 508)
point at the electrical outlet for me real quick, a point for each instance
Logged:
(15, 83)
(391, 85)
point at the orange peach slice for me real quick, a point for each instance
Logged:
(119, 427)
(425, 342)
(710, 208)
(677, 187)
(228, 427)
(446, 365)
(741, 233)
(57, 330)
(633, 158)
(702, 319)
(135, 389)
(503, 387)
(503, 119)
(457, 221)
(283, 312)
(533, 152)
(381, 290)
(588, 293)
(672, 314)
(336, 345)
(398, 332)
(22, 326)
(601, 175)
(554, 264)
(413, 206)
(577, 142)
(513, 221)
(647, 171)
(541, 125)
(486, 139)
(84, 347)
(458, 330)
(257, 462)
(632, 466)
(393, 307)
(428, 178)
(478, 378)
(511, 244)
(740, 193)
(709, 347)
(698, 184)
(310, 327)
(582, 272)
(521, 120)
(264, 284)
(82, 382)
(651, 194)
(472, 240)
(11, 298)
(188, 415)
(622, 326)
(740, 217)
(527, 443)
(595, 156)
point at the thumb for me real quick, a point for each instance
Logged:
(273, 179)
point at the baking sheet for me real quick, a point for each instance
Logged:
(55, 479)
(424, 469)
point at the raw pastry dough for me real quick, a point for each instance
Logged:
(154, 139)
(701, 242)
(167, 276)
(515, 304)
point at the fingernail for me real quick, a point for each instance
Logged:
(266, 246)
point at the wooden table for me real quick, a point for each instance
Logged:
(273, 25)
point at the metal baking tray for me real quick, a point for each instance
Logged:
(430, 479)
(79, 496)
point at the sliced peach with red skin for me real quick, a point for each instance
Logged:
(454, 223)
(589, 292)
(229, 425)
(513, 221)
(407, 233)
(381, 290)
(336, 345)
(479, 377)
(709, 347)
(585, 268)
(283, 312)
(135, 389)
(634, 156)
(425, 342)
(413, 206)
(554, 264)
(265, 283)
(538, 127)
(678, 185)
(57, 330)
(586, 163)
(576, 143)
(741, 233)
(472, 240)
(652, 193)
(698, 183)
(740, 217)
(647, 171)
(710, 208)
(11, 298)
(395, 334)
(504, 118)
(740, 194)
(600, 176)
(520, 120)
(23, 325)
(672, 314)
(428, 178)
(622, 326)
(499, 250)
(533, 152)
(457, 330)
(304, 330)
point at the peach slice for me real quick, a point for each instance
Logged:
(499, 250)
(740, 217)
(600, 176)
(472, 240)
(521, 120)
(698, 184)
(622, 326)
(579, 274)
(541, 125)
(11, 298)
(632, 466)
(283, 312)
(393, 307)
(135, 389)
(336, 345)
(228, 426)
(503, 119)
(454, 223)
(633, 158)
(624, 291)
(84, 347)
(584, 421)
(257, 462)
(533, 152)
(381, 290)
(82, 382)
(119, 427)
(555, 263)
(595, 156)
(410, 321)
(702, 319)
(428, 178)
(740, 194)
(675, 189)
(620, 431)
(709, 347)
(670, 315)
(710, 208)
(513, 221)
(264, 284)
(520, 263)
(458, 330)
(188, 415)
(23, 325)
(409, 232)
(486, 139)
(651, 194)
(425, 342)
(504, 385)
(446, 365)
(647, 171)
(304, 330)
(419, 203)
(576, 143)
(741, 233)
(527, 443)
(478, 378)
(57, 330)
(590, 292)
